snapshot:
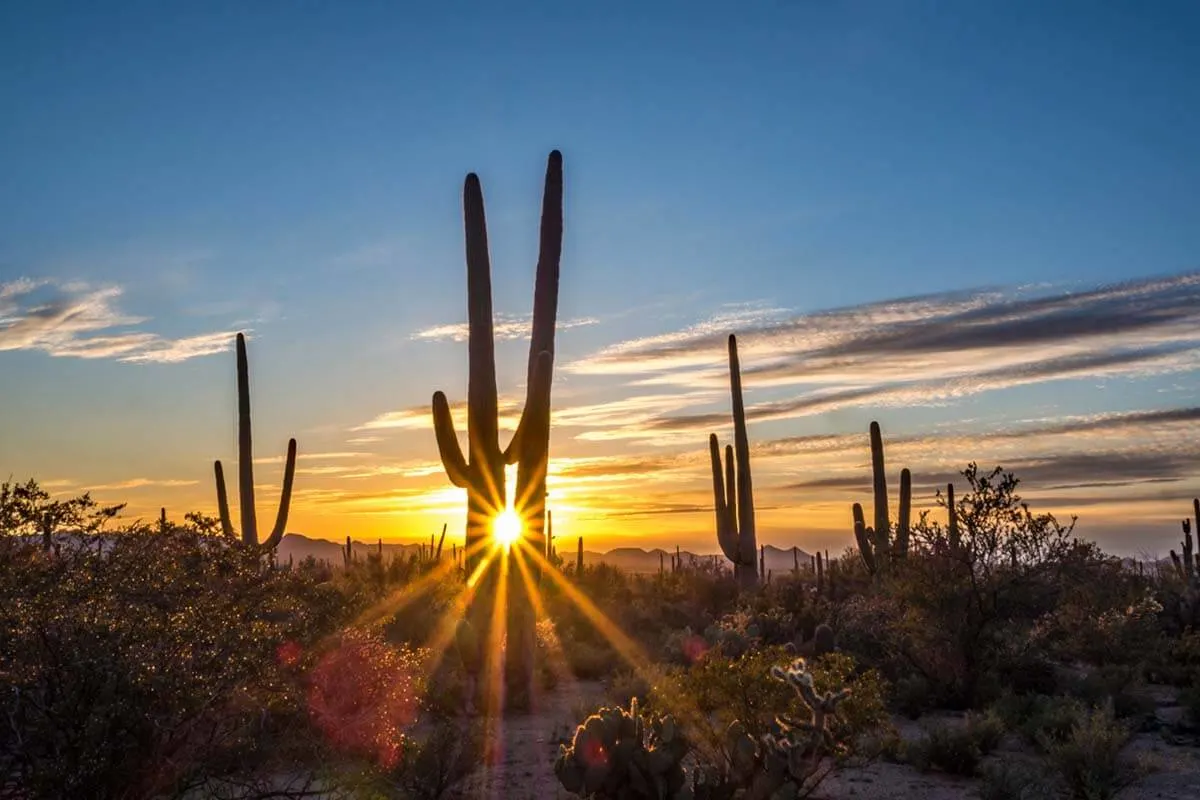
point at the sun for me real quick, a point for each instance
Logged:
(506, 527)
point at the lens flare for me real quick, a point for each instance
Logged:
(506, 527)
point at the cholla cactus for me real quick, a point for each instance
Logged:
(787, 761)
(619, 754)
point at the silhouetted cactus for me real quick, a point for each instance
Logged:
(579, 558)
(952, 514)
(733, 494)
(620, 754)
(437, 554)
(1187, 566)
(246, 470)
(876, 544)
(481, 472)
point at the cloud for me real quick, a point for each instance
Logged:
(421, 417)
(139, 483)
(922, 351)
(76, 320)
(505, 327)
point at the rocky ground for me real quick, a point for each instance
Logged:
(524, 767)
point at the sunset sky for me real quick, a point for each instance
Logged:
(977, 223)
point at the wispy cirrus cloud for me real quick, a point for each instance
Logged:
(922, 351)
(421, 417)
(76, 320)
(139, 483)
(505, 327)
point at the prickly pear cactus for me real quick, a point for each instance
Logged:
(620, 754)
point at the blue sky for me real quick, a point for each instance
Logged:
(295, 170)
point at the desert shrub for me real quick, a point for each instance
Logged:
(1005, 780)
(946, 747)
(1178, 662)
(987, 729)
(436, 764)
(958, 613)
(1112, 619)
(912, 696)
(628, 685)
(957, 749)
(1088, 760)
(172, 660)
(1052, 720)
(712, 694)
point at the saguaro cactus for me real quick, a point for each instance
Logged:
(1187, 563)
(876, 544)
(246, 470)
(733, 495)
(481, 473)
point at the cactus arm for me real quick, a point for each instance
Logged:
(482, 400)
(245, 448)
(865, 548)
(285, 499)
(545, 301)
(451, 453)
(745, 493)
(726, 536)
(222, 501)
(904, 514)
(545, 292)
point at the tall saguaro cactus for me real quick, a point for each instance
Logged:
(1187, 563)
(733, 495)
(876, 544)
(481, 472)
(246, 470)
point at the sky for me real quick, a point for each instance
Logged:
(976, 223)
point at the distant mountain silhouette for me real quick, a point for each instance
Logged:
(636, 559)
(630, 559)
(299, 547)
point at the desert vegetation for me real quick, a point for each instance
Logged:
(980, 646)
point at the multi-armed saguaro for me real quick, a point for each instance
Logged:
(481, 472)
(246, 469)
(875, 543)
(733, 495)
(1187, 563)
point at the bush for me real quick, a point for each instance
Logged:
(945, 747)
(434, 766)
(170, 661)
(1088, 760)
(1008, 781)
(708, 698)
(987, 729)
(1053, 719)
